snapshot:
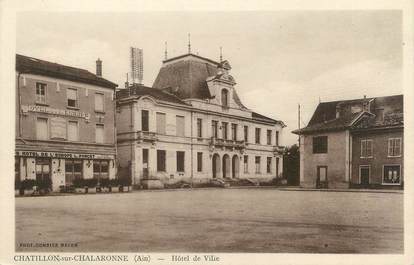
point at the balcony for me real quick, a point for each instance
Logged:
(144, 136)
(278, 150)
(226, 143)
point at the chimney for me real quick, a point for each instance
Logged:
(99, 67)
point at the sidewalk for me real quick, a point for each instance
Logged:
(295, 188)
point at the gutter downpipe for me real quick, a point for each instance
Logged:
(191, 148)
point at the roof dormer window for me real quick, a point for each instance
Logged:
(225, 98)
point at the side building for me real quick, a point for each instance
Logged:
(354, 143)
(65, 123)
(192, 126)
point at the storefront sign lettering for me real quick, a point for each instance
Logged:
(62, 155)
(62, 112)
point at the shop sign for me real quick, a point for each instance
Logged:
(61, 112)
(61, 155)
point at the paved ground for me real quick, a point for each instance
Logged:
(215, 220)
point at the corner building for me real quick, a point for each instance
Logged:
(191, 125)
(65, 123)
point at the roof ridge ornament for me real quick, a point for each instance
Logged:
(166, 51)
(189, 43)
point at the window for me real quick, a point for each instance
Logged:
(180, 161)
(42, 168)
(214, 129)
(199, 161)
(72, 97)
(40, 93)
(161, 160)
(73, 134)
(366, 148)
(234, 132)
(73, 170)
(160, 122)
(257, 136)
(42, 132)
(100, 169)
(269, 137)
(392, 175)
(246, 133)
(269, 165)
(277, 167)
(180, 125)
(99, 134)
(144, 120)
(394, 147)
(246, 164)
(99, 102)
(277, 138)
(224, 126)
(320, 144)
(199, 128)
(225, 98)
(257, 163)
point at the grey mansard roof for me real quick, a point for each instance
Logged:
(30, 65)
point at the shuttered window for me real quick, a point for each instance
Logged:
(180, 125)
(73, 131)
(99, 102)
(42, 129)
(99, 133)
(160, 122)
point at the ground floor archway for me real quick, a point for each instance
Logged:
(216, 167)
(226, 166)
(235, 166)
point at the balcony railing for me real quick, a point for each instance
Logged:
(278, 150)
(216, 142)
(146, 136)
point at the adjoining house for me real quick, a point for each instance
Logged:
(354, 143)
(192, 126)
(64, 123)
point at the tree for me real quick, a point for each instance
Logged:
(291, 164)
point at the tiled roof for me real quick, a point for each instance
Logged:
(30, 65)
(187, 75)
(257, 116)
(324, 117)
(140, 90)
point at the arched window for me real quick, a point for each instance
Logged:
(225, 98)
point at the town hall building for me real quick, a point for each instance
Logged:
(192, 126)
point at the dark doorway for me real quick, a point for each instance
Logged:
(145, 163)
(322, 177)
(216, 165)
(364, 173)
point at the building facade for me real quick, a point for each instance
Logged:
(191, 125)
(354, 143)
(65, 123)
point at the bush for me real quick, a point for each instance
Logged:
(44, 184)
(28, 184)
(104, 182)
(17, 184)
(114, 182)
(81, 183)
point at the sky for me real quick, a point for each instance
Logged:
(279, 59)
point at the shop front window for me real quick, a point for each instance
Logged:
(392, 175)
(101, 169)
(73, 170)
(42, 169)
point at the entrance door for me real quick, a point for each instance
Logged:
(322, 177)
(235, 167)
(43, 173)
(226, 166)
(216, 165)
(145, 163)
(364, 173)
